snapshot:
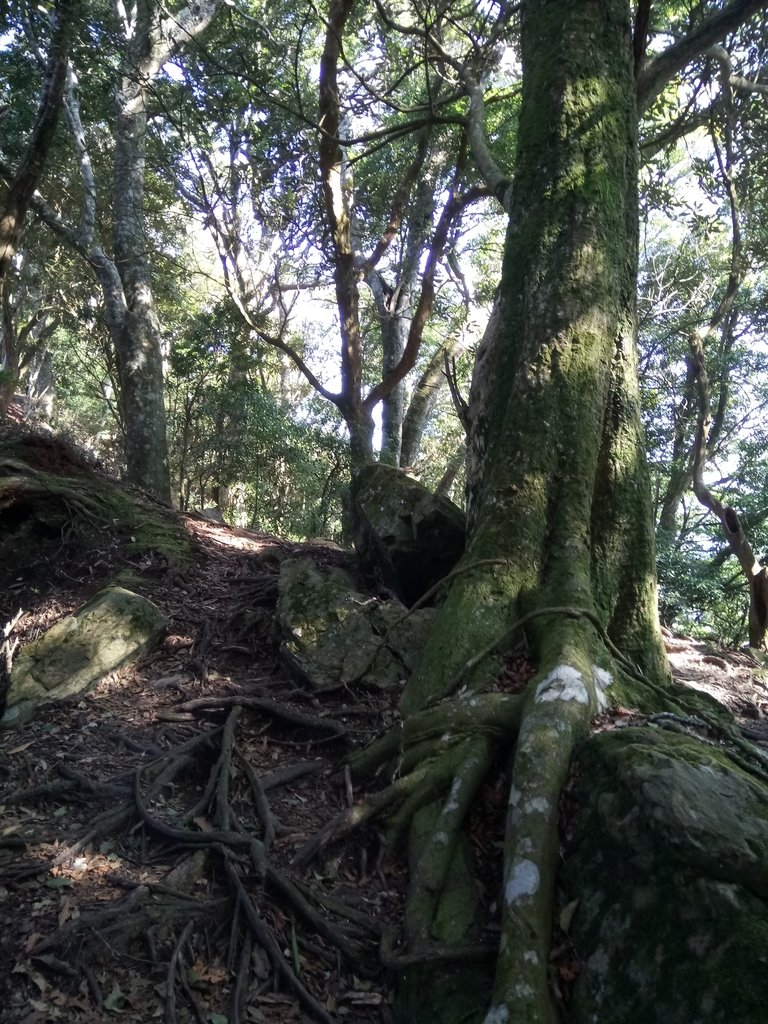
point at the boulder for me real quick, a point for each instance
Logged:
(332, 634)
(669, 874)
(405, 534)
(111, 630)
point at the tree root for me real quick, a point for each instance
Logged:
(128, 919)
(267, 941)
(275, 710)
(213, 834)
(495, 714)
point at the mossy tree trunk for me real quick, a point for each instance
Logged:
(559, 501)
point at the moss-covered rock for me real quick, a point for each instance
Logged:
(670, 870)
(111, 630)
(403, 532)
(331, 634)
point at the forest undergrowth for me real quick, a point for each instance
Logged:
(151, 830)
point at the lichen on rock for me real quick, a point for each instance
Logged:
(111, 630)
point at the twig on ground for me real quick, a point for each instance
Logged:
(170, 976)
(266, 939)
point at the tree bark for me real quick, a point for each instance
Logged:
(151, 38)
(138, 342)
(423, 400)
(18, 197)
(22, 187)
(560, 515)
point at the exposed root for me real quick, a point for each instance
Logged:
(428, 775)
(560, 707)
(281, 712)
(142, 910)
(429, 873)
(494, 714)
(266, 939)
(213, 835)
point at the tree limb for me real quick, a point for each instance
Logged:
(657, 72)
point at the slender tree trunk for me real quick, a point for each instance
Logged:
(138, 346)
(394, 334)
(558, 491)
(360, 426)
(21, 189)
(456, 461)
(9, 353)
(17, 199)
(423, 401)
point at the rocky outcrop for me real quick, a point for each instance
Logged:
(332, 634)
(670, 874)
(405, 534)
(109, 632)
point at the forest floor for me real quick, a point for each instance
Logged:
(73, 849)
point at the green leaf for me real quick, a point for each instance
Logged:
(566, 915)
(295, 950)
(59, 882)
(115, 1001)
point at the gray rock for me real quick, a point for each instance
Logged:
(332, 634)
(108, 632)
(670, 870)
(213, 515)
(403, 532)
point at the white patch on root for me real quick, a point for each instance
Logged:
(497, 1015)
(514, 796)
(602, 680)
(530, 956)
(441, 838)
(563, 683)
(537, 805)
(523, 882)
(453, 799)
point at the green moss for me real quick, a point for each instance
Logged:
(92, 503)
(669, 870)
(453, 993)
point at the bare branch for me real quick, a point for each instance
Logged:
(452, 210)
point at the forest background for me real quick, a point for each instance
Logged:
(294, 227)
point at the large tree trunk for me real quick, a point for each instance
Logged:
(558, 495)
